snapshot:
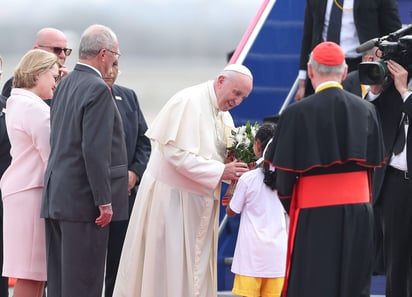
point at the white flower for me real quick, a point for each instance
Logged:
(242, 142)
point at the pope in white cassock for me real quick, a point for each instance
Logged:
(170, 248)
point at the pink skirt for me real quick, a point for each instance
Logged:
(24, 236)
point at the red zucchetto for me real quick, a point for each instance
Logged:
(328, 53)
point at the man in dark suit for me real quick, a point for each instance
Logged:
(361, 20)
(138, 151)
(392, 184)
(352, 82)
(86, 177)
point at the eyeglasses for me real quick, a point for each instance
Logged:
(117, 54)
(57, 50)
(57, 77)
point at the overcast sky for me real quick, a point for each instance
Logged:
(166, 44)
(145, 27)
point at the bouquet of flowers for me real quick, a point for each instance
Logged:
(242, 139)
(241, 149)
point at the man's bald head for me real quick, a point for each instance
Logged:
(54, 41)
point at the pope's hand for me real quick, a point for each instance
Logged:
(234, 170)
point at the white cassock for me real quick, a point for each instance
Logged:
(170, 248)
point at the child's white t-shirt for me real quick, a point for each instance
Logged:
(262, 239)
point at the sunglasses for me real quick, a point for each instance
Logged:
(57, 50)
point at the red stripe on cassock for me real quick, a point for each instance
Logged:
(360, 162)
(324, 190)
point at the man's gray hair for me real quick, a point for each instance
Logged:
(94, 39)
(325, 69)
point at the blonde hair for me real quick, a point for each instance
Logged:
(34, 62)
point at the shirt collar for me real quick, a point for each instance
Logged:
(90, 66)
(328, 84)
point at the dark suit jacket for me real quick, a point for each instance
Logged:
(373, 18)
(7, 87)
(5, 157)
(88, 164)
(390, 106)
(134, 125)
(352, 83)
(138, 146)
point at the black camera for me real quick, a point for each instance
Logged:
(396, 46)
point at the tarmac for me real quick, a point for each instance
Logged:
(220, 294)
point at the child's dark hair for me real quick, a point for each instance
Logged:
(265, 133)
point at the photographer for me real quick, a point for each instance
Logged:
(352, 81)
(392, 186)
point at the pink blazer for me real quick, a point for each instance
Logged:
(28, 127)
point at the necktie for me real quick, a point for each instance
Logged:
(335, 22)
(400, 137)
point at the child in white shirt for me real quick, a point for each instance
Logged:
(259, 260)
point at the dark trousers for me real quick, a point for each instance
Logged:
(4, 281)
(114, 249)
(75, 254)
(117, 233)
(395, 209)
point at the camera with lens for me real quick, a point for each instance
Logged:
(396, 46)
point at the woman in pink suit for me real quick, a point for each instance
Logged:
(28, 127)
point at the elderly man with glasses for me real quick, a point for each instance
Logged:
(87, 174)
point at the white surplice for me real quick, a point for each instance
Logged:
(170, 248)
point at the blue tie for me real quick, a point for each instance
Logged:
(335, 22)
